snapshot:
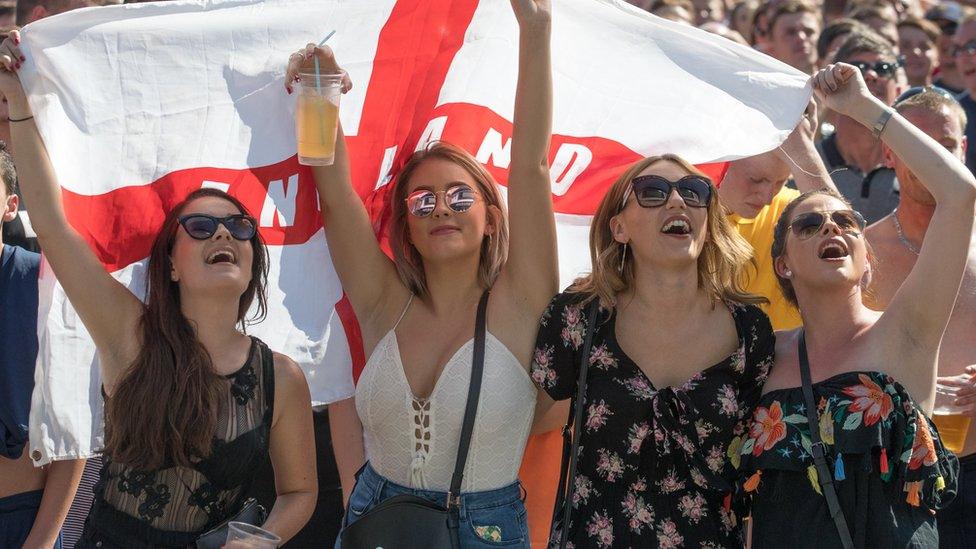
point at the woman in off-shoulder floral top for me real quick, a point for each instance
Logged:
(873, 374)
(673, 373)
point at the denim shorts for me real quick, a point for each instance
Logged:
(493, 518)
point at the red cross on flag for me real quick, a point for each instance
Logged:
(140, 104)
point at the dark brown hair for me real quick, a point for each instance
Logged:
(164, 409)
(783, 227)
(7, 171)
(866, 41)
(831, 32)
(789, 7)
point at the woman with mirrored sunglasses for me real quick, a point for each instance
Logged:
(449, 237)
(194, 407)
(873, 471)
(678, 356)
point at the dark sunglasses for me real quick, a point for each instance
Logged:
(459, 198)
(806, 225)
(883, 69)
(203, 226)
(948, 28)
(969, 48)
(653, 191)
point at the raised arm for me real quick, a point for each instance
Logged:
(920, 309)
(800, 154)
(109, 311)
(532, 268)
(367, 275)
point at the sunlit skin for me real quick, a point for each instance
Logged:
(809, 272)
(751, 183)
(641, 228)
(944, 127)
(189, 256)
(793, 40)
(447, 235)
(966, 62)
(921, 55)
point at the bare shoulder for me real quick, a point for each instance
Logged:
(290, 380)
(881, 233)
(784, 373)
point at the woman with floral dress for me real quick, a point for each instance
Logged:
(873, 374)
(677, 363)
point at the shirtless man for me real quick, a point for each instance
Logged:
(896, 240)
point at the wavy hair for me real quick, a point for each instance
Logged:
(721, 265)
(164, 409)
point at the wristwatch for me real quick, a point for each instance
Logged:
(881, 122)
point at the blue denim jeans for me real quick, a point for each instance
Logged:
(17, 514)
(493, 518)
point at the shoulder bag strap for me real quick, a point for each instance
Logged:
(819, 450)
(471, 409)
(571, 437)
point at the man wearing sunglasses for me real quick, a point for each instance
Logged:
(964, 53)
(753, 192)
(852, 153)
(897, 240)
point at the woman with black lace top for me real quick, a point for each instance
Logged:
(193, 406)
(873, 374)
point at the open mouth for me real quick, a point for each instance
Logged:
(833, 249)
(677, 226)
(222, 256)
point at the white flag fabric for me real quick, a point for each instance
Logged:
(140, 104)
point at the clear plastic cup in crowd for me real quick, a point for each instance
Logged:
(952, 420)
(317, 118)
(241, 535)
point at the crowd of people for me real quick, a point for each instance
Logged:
(753, 361)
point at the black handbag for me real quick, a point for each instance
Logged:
(559, 531)
(819, 450)
(412, 522)
(251, 512)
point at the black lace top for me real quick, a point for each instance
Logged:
(654, 467)
(191, 500)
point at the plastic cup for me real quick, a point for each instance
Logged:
(317, 118)
(241, 535)
(952, 420)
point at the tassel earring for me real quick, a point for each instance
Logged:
(623, 258)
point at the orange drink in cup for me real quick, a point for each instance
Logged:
(951, 420)
(317, 118)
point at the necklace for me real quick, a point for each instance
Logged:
(901, 235)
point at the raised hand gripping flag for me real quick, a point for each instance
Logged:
(141, 104)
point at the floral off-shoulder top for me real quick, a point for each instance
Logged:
(654, 462)
(890, 470)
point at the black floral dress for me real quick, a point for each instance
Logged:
(891, 472)
(654, 463)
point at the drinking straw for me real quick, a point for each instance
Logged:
(318, 74)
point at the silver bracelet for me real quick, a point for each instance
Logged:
(881, 122)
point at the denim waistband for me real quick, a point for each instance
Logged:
(23, 500)
(469, 500)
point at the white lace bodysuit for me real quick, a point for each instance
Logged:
(414, 442)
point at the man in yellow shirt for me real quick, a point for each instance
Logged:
(754, 193)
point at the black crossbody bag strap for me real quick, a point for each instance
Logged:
(470, 411)
(819, 450)
(567, 469)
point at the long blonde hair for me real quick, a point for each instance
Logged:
(409, 263)
(721, 265)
